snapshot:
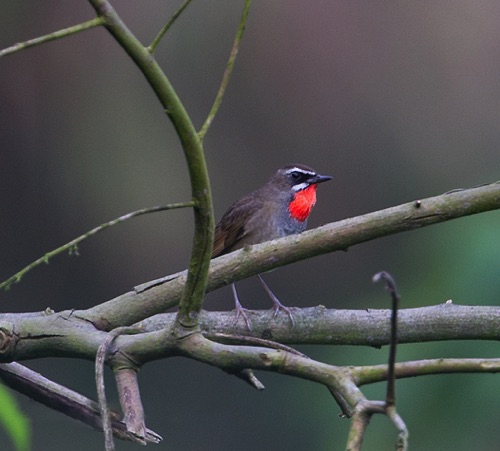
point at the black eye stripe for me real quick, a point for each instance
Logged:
(299, 177)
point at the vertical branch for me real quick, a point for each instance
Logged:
(391, 287)
(130, 401)
(194, 291)
(227, 73)
(128, 390)
(390, 399)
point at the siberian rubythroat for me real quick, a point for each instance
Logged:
(279, 208)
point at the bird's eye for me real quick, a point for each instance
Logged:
(296, 175)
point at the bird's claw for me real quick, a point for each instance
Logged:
(243, 312)
(240, 311)
(279, 306)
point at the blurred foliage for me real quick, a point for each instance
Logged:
(13, 421)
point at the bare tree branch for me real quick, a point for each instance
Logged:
(390, 399)
(378, 373)
(72, 246)
(364, 410)
(101, 355)
(67, 334)
(227, 73)
(96, 22)
(65, 400)
(163, 31)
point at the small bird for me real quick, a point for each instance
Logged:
(279, 208)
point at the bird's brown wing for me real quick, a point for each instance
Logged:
(231, 227)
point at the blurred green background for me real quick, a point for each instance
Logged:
(396, 100)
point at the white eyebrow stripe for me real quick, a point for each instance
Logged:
(300, 186)
(289, 171)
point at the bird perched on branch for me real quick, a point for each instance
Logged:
(279, 208)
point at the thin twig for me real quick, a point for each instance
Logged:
(391, 287)
(227, 72)
(250, 378)
(167, 26)
(101, 355)
(247, 374)
(97, 21)
(378, 373)
(252, 341)
(390, 399)
(403, 433)
(72, 246)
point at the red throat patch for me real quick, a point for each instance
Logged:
(303, 202)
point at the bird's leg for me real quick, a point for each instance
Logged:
(240, 311)
(277, 304)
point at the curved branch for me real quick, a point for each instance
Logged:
(361, 418)
(232, 359)
(194, 289)
(390, 398)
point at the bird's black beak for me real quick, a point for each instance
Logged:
(315, 179)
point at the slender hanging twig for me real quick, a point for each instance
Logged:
(72, 246)
(391, 287)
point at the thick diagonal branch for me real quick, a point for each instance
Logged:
(64, 400)
(157, 296)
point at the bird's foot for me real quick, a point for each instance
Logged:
(279, 306)
(243, 312)
(240, 311)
